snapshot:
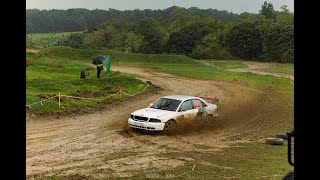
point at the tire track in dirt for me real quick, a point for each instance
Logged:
(100, 144)
(261, 68)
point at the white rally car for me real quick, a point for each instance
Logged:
(166, 112)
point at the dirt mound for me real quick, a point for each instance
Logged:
(91, 94)
(83, 93)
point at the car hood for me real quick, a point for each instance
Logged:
(152, 113)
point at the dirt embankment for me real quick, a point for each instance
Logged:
(101, 144)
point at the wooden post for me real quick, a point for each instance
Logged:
(59, 100)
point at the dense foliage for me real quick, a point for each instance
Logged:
(198, 33)
(46, 21)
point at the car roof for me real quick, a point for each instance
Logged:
(180, 97)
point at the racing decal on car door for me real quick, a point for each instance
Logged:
(187, 110)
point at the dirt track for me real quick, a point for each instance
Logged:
(260, 68)
(100, 144)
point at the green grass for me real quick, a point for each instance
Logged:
(282, 68)
(118, 58)
(49, 77)
(248, 161)
(200, 71)
(228, 64)
(43, 40)
(179, 65)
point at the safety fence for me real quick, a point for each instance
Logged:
(120, 92)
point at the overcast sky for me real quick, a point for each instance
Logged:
(236, 6)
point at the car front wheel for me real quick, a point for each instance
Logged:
(169, 127)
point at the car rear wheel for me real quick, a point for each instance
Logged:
(210, 117)
(169, 127)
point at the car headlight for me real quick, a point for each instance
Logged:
(131, 116)
(154, 120)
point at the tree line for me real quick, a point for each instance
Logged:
(78, 19)
(264, 36)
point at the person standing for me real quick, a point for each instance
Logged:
(99, 69)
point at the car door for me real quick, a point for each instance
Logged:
(199, 106)
(187, 110)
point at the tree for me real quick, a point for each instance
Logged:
(278, 43)
(75, 40)
(78, 19)
(267, 10)
(179, 18)
(246, 15)
(188, 38)
(285, 9)
(103, 37)
(133, 42)
(94, 40)
(244, 40)
(152, 36)
(212, 47)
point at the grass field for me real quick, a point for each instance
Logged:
(283, 68)
(200, 71)
(182, 66)
(47, 78)
(228, 64)
(43, 40)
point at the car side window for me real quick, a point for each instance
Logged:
(197, 103)
(203, 104)
(187, 105)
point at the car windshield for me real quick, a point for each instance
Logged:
(166, 104)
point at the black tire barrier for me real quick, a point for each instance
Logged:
(275, 141)
(282, 135)
(84, 75)
(289, 176)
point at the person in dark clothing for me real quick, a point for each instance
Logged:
(99, 69)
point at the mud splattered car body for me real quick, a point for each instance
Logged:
(165, 113)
